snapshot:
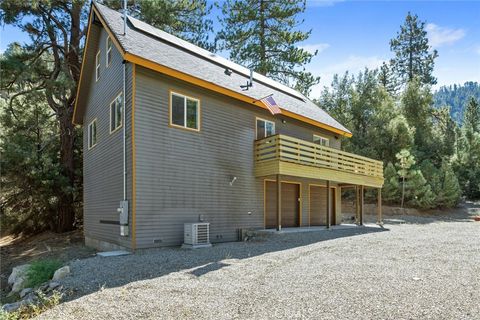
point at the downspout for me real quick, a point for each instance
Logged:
(123, 209)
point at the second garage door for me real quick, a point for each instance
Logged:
(318, 206)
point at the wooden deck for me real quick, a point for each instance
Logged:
(285, 155)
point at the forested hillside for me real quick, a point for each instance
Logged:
(456, 97)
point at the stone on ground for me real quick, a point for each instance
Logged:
(61, 273)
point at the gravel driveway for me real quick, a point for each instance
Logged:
(415, 268)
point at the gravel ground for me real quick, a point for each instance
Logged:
(415, 268)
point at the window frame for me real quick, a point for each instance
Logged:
(265, 121)
(97, 65)
(89, 139)
(122, 113)
(321, 138)
(170, 111)
(108, 50)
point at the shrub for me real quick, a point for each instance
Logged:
(41, 271)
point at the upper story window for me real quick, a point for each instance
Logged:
(321, 140)
(97, 66)
(108, 48)
(265, 128)
(116, 113)
(92, 134)
(184, 111)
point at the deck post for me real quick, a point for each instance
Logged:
(379, 207)
(362, 202)
(329, 205)
(357, 205)
(279, 203)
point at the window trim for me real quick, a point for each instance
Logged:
(107, 51)
(321, 137)
(88, 134)
(97, 65)
(264, 120)
(170, 114)
(110, 111)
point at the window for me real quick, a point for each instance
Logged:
(265, 128)
(92, 134)
(108, 47)
(116, 113)
(321, 140)
(97, 66)
(184, 111)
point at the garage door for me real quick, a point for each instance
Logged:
(290, 204)
(318, 206)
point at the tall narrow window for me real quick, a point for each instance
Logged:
(92, 134)
(265, 128)
(321, 140)
(184, 111)
(108, 47)
(97, 66)
(116, 113)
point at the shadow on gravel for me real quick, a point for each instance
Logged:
(98, 273)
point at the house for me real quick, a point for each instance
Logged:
(175, 134)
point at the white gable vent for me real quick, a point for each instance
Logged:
(196, 235)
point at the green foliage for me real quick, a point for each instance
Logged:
(187, 19)
(264, 36)
(41, 271)
(391, 187)
(33, 310)
(416, 103)
(456, 97)
(471, 120)
(387, 78)
(450, 192)
(413, 59)
(418, 192)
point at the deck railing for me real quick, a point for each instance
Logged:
(285, 148)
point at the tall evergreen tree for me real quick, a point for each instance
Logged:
(391, 188)
(471, 120)
(187, 19)
(263, 36)
(50, 65)
(413, 58)
(405, 162)
(449, 194)
(387, 78)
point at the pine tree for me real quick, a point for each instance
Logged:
(187, 19)
(405, 162)
(391, 187)
(387, 78)
(263, 36)
(418, 192)
(450, 192)
(413, 58)
(471, 120)
(417, 108)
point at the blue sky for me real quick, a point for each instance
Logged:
(352, 35)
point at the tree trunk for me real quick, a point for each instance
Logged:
(66, 207)
(403, 191)
(262, 68)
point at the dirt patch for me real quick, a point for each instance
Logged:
(48, 245)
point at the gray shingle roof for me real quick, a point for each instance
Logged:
(162, 48)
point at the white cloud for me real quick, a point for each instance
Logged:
(439, 36)
(315, 46)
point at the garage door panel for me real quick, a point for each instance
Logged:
(290, 204)
(318, 206)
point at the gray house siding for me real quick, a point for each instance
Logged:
(103, 164)
(182, 175)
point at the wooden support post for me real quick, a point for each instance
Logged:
(379, 207)
(357, 205)
(362, 207)
(329, 205)
(279, 203)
